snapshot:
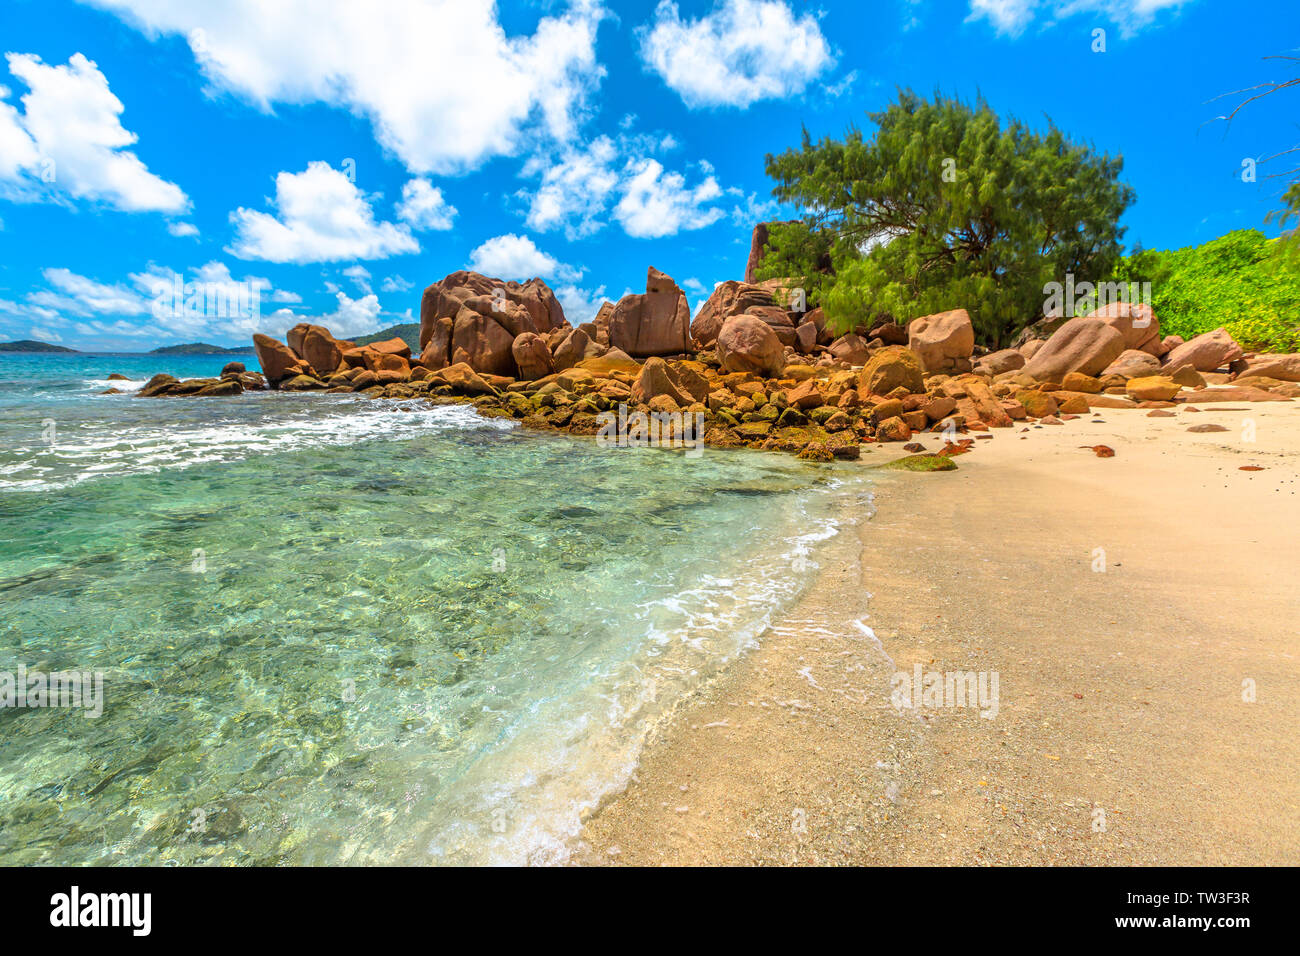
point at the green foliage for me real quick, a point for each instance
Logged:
(947, 208)
(1242, 281)
(795, 250)
(1289, 214)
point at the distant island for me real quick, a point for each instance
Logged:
(408, 333)
(29, 345)
(201, 348)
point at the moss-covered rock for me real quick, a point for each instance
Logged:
(815, 451)
(922, 463)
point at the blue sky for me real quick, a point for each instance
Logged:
(341, 155)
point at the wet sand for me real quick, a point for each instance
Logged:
(1123, 732)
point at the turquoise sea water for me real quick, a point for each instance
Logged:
(334, 630)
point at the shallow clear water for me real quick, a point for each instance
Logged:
(343, 631)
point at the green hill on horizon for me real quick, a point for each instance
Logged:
(30, 345)
(200, 348)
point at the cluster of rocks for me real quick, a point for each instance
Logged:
(234, 380)
(758, 373)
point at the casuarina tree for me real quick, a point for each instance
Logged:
(946, 207)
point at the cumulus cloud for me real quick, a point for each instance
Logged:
(182, 229)
(206, 302)
(69, 141)
(656, 203)
(73, 294)
(442, 84)
(575, 190)
(423, 207)
(580, 305)
(353, 316)
(323, 217)
(517, 257)
(741, 52)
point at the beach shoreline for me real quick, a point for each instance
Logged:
(1123, 733)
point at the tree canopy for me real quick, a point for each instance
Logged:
(946, 207)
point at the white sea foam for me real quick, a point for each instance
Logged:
(561, 759)
(122, 385)
(94, 451)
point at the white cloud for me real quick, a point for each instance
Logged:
(394, 283)
(441, 83)
(657, 204)
(78, 295)
(753, 210)
(232, 311)
(182, 229)
(1011, 17)
(575, 190)
(323, 218)
(517, 257)
(69, 140)
(360, 277)
(423, 207)
(353, 316)
(741, 52)
(580, 305)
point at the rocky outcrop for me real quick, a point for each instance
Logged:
(278, 361)
(657, 322)
(472, 318)
(728, 299)
(1136, 322)
(772, 378)
(1080, 345)
(230, 383)
(943, 341)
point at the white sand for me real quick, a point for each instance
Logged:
(1121, 736)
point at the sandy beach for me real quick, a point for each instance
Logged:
(1146, 712)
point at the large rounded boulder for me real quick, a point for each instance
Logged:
(891, 367)
(1136, 322)
(748, 344)
(1080, 345)
(1206, 352)
(943, 341)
